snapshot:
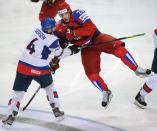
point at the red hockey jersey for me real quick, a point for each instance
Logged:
(49, 11)
(81, 25)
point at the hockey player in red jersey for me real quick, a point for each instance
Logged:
(151, 83)
(78, 29)
(49, 8)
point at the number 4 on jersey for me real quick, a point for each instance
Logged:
(31, 46)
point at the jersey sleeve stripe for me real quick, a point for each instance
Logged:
(80, 16)
(85, 20)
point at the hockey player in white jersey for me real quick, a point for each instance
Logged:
(34, 65)
(151, 83)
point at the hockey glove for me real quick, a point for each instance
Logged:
(54, 64)
(63, 43)
(70, 35)
(34, 0)
(74, 49)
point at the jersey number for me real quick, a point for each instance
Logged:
(31, 46)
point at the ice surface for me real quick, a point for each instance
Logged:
(78, 96)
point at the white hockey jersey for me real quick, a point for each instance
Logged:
(35, 58)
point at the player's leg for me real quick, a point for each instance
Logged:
(122, 53)
(21, 85)
(91, 63)
(148, 86)
(53, 99)
(118, 49)
(145, 90)
(46, 83)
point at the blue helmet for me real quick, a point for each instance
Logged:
(48, 23)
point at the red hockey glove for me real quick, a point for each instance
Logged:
(54, 64)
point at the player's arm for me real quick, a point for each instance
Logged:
(61, 53)
(86, 26)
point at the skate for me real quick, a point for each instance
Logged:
(142, 72)
(140, 102)
(59, 115)
(107, 98)
(7, 122)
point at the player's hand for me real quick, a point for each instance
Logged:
(63, 42)
(70, 35)
(74, 49)
(54, 68)
(54, 64)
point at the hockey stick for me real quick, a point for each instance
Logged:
(24, 108)
(105, 42)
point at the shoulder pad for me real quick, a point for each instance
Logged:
(80, 16)
(55, 44)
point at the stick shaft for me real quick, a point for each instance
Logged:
(106, 42)
(24, 108)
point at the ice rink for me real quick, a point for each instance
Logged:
(80, 100)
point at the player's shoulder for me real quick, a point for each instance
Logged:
(52, 41)
(77, 13)
(51, 37)
(80, 16)
(44, 36)
(39, 33)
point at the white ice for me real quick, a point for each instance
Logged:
(37, 120)
(78, 96)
